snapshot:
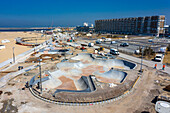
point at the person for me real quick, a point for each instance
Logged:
(155, 66)
(163, 68)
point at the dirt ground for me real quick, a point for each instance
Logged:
(140, 100)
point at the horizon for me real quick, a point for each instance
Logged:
(72, 13)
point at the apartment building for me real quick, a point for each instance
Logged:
(148, 25)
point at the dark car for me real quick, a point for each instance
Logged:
(103, 38)
(124, 44)
(98, 42)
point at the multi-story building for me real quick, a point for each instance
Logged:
(149, 25)
(167, 30)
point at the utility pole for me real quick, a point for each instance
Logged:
(40, 75)
(13, 55)
(141, 61)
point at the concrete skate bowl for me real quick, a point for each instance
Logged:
(115, 63)
(77, 71)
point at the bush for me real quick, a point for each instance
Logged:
(147, 51)
(168, 48)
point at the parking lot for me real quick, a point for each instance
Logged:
(135, 45)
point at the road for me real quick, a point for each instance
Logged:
(145, 62)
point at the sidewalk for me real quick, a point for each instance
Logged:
(9, 76)
(20, 57)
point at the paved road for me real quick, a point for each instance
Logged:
(145, 62)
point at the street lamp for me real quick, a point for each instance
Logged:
(13, 55)
(40, 75)
(141, 61)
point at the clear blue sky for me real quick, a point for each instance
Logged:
(29, 13)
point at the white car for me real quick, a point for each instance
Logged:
(158, 57)
(114, 51)
(108, 40)
(113, 42)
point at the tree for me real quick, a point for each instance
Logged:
(168, 48)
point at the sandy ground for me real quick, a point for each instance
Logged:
(7, 53)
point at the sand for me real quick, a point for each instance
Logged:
(7, 53)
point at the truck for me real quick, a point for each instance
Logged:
(114, 51)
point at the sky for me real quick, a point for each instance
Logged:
(67, 13)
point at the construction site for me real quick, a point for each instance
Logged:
(71, 74)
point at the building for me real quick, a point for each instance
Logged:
(82, 28)
(167, 30)
(149, 25)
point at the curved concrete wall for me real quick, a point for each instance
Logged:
(108, 62)
(119, 76)
(21, 42)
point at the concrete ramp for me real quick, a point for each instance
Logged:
(77, 65)
(119, 76)
(82, 83)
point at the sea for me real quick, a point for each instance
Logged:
(23, 29)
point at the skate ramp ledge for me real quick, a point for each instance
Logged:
(84, 84)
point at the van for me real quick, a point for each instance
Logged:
(114, 52)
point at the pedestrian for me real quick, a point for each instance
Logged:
(155, 66)
(163, 68)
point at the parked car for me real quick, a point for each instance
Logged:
(158, 57)
(103, 38)
(91, 44)
(113, 42)
(137, 52)
(98, 42)
(114, 52)
(150, 40)
(107, 40)
(124, 44)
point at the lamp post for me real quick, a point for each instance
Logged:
(40, 75)
(13, 55)
(141, 61)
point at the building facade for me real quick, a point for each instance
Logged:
(82, 28)
(149, 25)
(167, 30)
